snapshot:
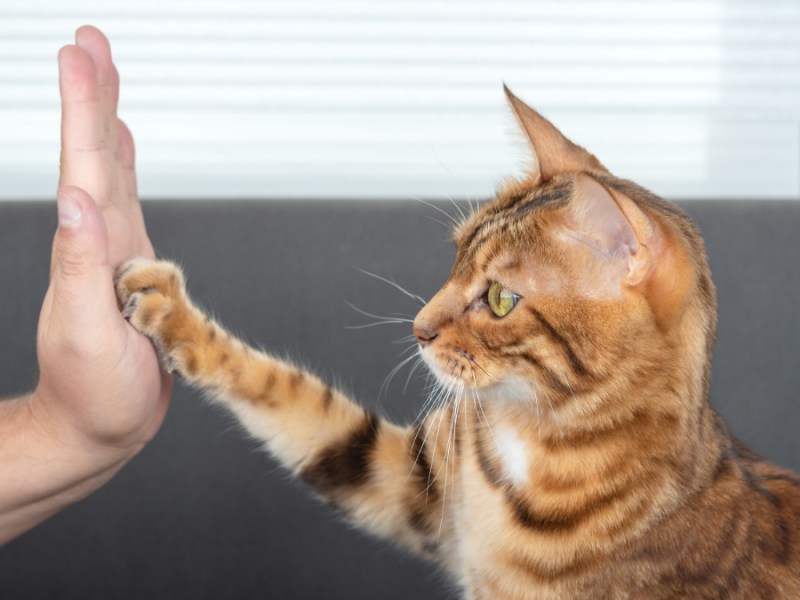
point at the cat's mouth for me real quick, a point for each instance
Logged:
(458, 371)
(454, 367)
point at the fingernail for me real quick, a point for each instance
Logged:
(69, 211)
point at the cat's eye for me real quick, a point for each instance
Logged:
(500, 300)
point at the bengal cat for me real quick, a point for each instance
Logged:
(574, 336)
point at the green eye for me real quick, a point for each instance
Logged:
(501, 301)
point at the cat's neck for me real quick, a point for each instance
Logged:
(660, 416)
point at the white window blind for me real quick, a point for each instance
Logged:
(401, 99)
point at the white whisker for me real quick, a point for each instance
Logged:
(451, 441)
(414, 367)
(397, 318)
(397, 286)
(458, 208)
(386, 322)
(440, 222)
(384, 386)
(464, 216)
(453, 220)
(411, 348)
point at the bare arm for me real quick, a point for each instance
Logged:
(44, 466)
(101, 395)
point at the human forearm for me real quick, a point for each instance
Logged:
(45, 466)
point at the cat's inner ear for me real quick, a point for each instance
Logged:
(552, 153)
(615, 229)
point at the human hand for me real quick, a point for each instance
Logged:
(101, 394)
(99, 379)
(97, 151)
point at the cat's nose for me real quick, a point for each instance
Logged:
(423, 335)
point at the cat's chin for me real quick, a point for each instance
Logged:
(512, 388)
(449, 380)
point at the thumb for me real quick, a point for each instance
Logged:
(80, 276)
(80, 246)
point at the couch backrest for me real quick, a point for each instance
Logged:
(201, 514)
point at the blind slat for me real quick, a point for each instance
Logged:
(358, 98)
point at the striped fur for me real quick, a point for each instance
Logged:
(582, 458)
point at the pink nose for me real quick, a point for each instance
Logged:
(424, 337)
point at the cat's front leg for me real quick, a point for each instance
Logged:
(381, 474)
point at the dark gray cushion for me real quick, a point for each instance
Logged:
(202, 514)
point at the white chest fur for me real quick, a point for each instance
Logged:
(514, 455)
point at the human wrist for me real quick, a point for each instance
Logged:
(52, 419)
(45, 467)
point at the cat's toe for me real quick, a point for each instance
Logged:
(147, 276)
(129, 308)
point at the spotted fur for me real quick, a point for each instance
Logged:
(581, 455)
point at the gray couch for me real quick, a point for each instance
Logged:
(202, 514)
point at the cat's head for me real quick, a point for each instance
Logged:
(570, 282)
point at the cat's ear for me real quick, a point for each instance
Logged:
(613, 226)
(639, 250)
(552, 152)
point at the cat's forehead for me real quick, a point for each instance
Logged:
(509, 219)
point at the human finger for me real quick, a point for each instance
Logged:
(127, 169)
(127, 160)
(97, 46)
(84, 159)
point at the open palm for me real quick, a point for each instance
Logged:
(84, 343)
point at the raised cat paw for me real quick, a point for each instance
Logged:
(154, 301)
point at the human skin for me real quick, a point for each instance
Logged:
(101, 394)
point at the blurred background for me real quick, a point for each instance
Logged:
(391, 99)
